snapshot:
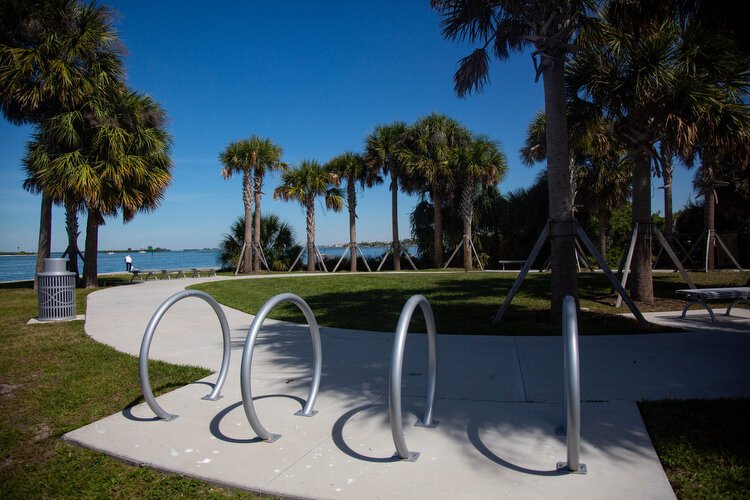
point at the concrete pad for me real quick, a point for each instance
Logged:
(636, 367)
(498, 404)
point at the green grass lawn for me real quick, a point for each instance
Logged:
(704, 446)
(463, 303)
(53, 379)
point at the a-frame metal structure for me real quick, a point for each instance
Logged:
(574, 230)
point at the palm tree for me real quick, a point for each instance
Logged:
(381, 152)
(548, 26)
(602, 173)
(252, 157)
(303, 184)
(352, 168)
(53, 55)
(37, 156)
(645, 71)
(480, 163)
(276, 239)
(111, 154)
(429, 157)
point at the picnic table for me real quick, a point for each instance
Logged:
(700, 295)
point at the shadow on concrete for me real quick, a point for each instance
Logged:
(472, 432)
(215, 425)
(338, 438)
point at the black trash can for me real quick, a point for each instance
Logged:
(57, 291)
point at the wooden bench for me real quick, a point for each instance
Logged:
(699, 296)
(211, 271)
(515, 262)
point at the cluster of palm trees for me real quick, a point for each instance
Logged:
(628, 85)
(99, 147)
(435, 157)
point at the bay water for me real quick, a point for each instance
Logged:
(21, 267)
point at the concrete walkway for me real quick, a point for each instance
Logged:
(498, 405)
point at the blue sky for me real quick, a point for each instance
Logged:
(316, 77)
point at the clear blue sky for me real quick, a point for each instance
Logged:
(316, 77)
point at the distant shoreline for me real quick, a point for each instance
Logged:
(139, 250)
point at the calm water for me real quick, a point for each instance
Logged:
(21, 267)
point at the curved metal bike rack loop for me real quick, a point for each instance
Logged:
(397, 358)
(148, 335)
(572, 401)
(247, 360)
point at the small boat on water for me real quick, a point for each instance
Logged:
(142, 251)
(110, 253)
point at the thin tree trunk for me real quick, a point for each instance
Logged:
(258, 181)
(641, 283)
(71, 226)
(394, 222)
(311, 235)
(564, 278)
(45, 235)
(351, 194)
(667, 170)
(247, 198)
(709, 220)
(93, 221)
(602, 229)
(467, 213)
(437, 217)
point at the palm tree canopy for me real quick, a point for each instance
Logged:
(353, 168)
(382, 145)
(111, 154)
(254, 153)
(502, 27)
(53, 55)
(429, 152)
(308, 181)
(481, 160)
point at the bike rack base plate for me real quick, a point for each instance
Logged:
(563, 466)
(434, 424)
(311, 414)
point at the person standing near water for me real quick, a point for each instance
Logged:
(128, 263)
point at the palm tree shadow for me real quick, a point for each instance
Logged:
(215, 424)
(472, 432)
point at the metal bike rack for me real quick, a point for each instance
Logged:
(397, 358)
(572, 381)
(247, 360)
(148, 335)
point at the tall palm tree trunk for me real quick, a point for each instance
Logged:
(709, 220)
(258, 188)
(311, 235)
(602, 230)
(394, 223)
(247, 197)
(437, 216)
(641, 284)
(71, 226)
(45, 235)
(351, 194)
(564, 278)
(93, 221)
(467, 213)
